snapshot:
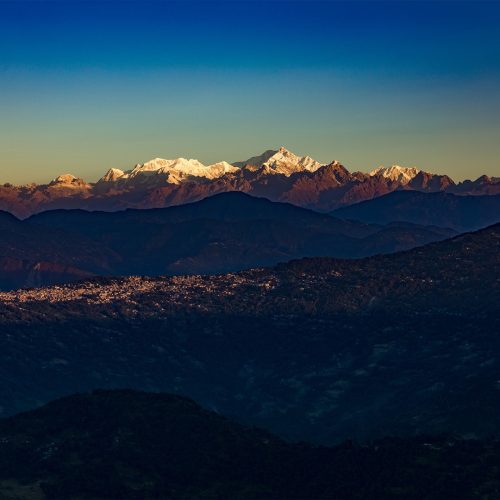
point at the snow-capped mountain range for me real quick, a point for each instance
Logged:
(181, 170)
(279, 175)
(170, 171)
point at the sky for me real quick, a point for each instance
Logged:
(90, 85)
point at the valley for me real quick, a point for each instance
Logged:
(317, 349)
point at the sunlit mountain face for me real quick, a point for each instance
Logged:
(249, 249)
(278, 175)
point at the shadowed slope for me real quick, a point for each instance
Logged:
(462, 213)
(126, 444)
(227, 232)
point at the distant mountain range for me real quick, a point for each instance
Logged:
(462, 213)
(126, 444)
(278, 175)
(226, 232)
(319, 349)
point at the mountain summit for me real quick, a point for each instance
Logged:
(396, 173)
(282, 162)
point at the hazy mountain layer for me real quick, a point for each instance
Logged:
(227, 232)
(462, 213)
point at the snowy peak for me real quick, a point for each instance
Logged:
(396, 173)
(159, 166)
(68, 181)
(222, 168)
(285, 162)
(64, 179)
(256, 161)
(113, 174)
(281, 161)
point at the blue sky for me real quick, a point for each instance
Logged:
(87, 85)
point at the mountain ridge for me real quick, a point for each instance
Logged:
(226, 232)
(278, 175)
(462, 213)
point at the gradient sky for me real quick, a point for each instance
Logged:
(85, 86)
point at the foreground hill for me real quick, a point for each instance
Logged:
(318, 349)
(278, 175)
(462, 213)
(227, 232)
(126, 444)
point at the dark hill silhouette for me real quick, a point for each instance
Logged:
(127, 444)
(462, 213)
(33, 255)
(227, 232)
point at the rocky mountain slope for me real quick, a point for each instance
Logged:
(227, 232)
(127, 444)
(462, 213)
(317, 349)
(278, 175)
